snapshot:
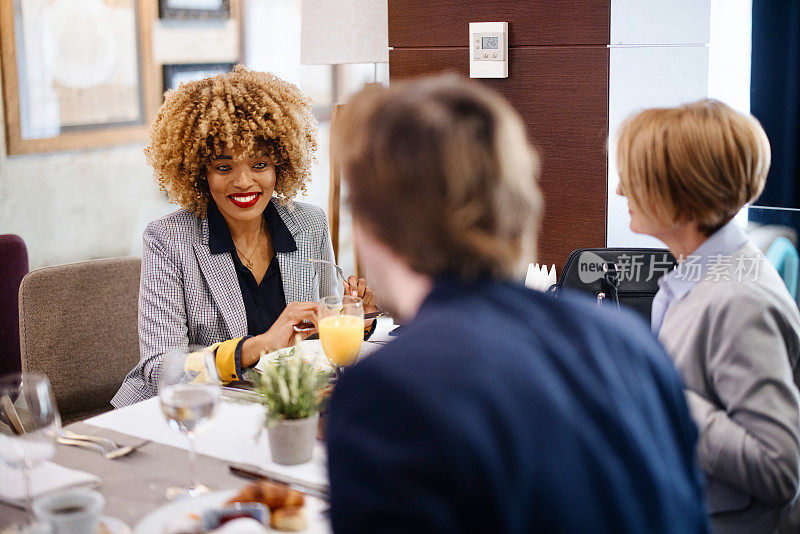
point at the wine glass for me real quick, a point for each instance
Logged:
(189, 389)
(341, 329)
(29, 424)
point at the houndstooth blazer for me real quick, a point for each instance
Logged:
(190, 298)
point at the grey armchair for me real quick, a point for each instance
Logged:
(78, 326)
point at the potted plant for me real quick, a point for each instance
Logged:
(292, 392)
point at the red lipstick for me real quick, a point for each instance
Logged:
(244, 200)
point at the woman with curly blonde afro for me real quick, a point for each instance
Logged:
(231, 269)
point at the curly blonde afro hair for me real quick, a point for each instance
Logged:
(253, 111)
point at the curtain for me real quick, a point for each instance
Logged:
(775, 95)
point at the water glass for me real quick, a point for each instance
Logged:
(189, 390)
(29, 424)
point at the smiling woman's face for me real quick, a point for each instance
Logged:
(241, 186)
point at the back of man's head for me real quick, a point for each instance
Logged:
(440, 171)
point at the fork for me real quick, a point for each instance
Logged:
(339, 270)
(84, 437)
(112, 454)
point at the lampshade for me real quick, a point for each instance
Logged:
(334, 32)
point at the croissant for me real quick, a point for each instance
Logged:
(289, 518)
(270, 494)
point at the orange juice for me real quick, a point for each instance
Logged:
(341, 337)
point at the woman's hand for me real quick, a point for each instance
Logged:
(358, 288)
(282, 333)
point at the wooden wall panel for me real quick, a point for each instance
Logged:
(416, 23)
(558, 82)
(562, 95)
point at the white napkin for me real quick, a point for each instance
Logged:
(232, 438)
(531, 277)
(45, 478)
(539, 278)
(552, 278)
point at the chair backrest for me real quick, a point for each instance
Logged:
(78, 325)
(784, 257)
(13, 266)
(616, 276)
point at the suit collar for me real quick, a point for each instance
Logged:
(289, 219)
(220, 275)
(288, 261)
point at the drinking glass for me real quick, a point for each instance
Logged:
(341, 329)
(189, 390)
(29, 424)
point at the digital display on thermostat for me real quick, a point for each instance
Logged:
(489, 42)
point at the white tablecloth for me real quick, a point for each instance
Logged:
(236, 435)
(45, 478)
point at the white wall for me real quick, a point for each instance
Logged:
(658, 58)
(666, 53)
(729, 52)
(77, 206)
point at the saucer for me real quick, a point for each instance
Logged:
(112, 526)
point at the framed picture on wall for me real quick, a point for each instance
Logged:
(74, 73)
(194, 9)
(178, 73)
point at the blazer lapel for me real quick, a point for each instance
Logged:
(288, 264)
(296, 270)
(220, 275)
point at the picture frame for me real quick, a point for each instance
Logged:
(194, 9)
(82, 95)
(176, 73)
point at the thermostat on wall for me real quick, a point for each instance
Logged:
(488, 44)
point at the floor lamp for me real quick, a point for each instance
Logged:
(333, 32)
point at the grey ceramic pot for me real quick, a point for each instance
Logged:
(292, 441)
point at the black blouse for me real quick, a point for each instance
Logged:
(265, 301)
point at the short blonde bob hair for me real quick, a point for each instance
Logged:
(700, 162)
(440, 171)
(253, 111)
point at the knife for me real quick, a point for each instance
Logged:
(254, 473)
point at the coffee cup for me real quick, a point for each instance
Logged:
(74, 511)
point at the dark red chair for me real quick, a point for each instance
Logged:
(13, 267)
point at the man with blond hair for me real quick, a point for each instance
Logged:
(498, 408)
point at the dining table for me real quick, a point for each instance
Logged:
(135, 485)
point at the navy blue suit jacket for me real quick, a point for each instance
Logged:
(501, 409)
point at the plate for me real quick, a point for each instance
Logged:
(310, 348)
(113, 525)
(156, 521)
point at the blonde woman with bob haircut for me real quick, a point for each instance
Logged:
(231, 268)
(498, 408)
(724, 314)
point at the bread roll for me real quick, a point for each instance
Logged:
(289, 519)
(270, 494)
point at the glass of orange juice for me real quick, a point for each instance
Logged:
(341, 328)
